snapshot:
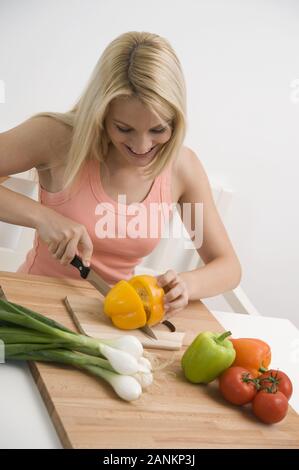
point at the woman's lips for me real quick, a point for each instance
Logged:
(141, 155)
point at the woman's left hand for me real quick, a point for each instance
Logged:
(176, 293)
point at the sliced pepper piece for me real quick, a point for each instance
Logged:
(151, 296)
(124, 306)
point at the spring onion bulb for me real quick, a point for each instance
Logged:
(126, 386)
(144, 378)
(121, 361)
(127, 343)
(28, 335)
(146, 363)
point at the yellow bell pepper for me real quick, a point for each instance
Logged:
(151, 295)
(135, 303)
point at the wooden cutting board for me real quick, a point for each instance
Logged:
(90, 319)
(171, 414)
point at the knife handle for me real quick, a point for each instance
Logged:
(169, 325)
(77, 262)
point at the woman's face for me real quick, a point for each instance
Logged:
(136, 133)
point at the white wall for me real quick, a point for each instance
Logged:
(240, 60)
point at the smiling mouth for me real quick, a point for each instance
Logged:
(139, 154)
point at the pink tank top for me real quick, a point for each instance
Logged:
(121, 234)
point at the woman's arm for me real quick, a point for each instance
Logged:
(222, 270)
(22, 148)
(32, 145)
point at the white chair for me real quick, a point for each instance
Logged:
(16, 241)
(171, 254)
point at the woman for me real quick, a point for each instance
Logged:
(124, 137)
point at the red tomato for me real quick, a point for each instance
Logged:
(236, 385)
(278, 381)
(270, 407)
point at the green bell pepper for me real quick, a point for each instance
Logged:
(207, 357)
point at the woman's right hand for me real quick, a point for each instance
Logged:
(65, 237)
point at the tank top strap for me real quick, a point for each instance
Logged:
(161, 189)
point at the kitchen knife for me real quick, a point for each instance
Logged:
(102, 286)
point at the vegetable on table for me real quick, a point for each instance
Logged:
(237, 385)
(152, 297)
(207, 357)
(28, 335)
(252, 354)
(275, 380)
(270, 407)
(126, 386)
(135, 303)
(240, 365)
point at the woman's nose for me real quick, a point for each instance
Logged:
(141, 146)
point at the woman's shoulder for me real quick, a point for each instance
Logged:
(29, 145)
(56, 137)
(187, 170)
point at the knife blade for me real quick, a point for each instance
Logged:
(102, 286)
(91, 276)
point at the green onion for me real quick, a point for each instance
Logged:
(22, 335)
(28, 335)
(15, 308)
(127, 387)
(57, 355)
(27, 348)
(19, 316)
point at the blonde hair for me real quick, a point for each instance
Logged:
(135, 64)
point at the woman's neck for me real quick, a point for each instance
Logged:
(116, 163)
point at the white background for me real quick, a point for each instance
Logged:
(241, 63)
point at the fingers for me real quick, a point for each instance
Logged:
(176, 305)
(59, 251)
(176, 292)
(70, 252)
(52, 247)
(179, 303)
(67, 248)
(167, 279)
(86, 248)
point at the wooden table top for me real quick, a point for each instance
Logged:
(172, 413)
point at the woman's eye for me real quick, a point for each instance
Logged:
(159, 131)
(123, 130)
(156, 131)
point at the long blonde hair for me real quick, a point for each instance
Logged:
(138, 64)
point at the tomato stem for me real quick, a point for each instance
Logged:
(273, 381)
